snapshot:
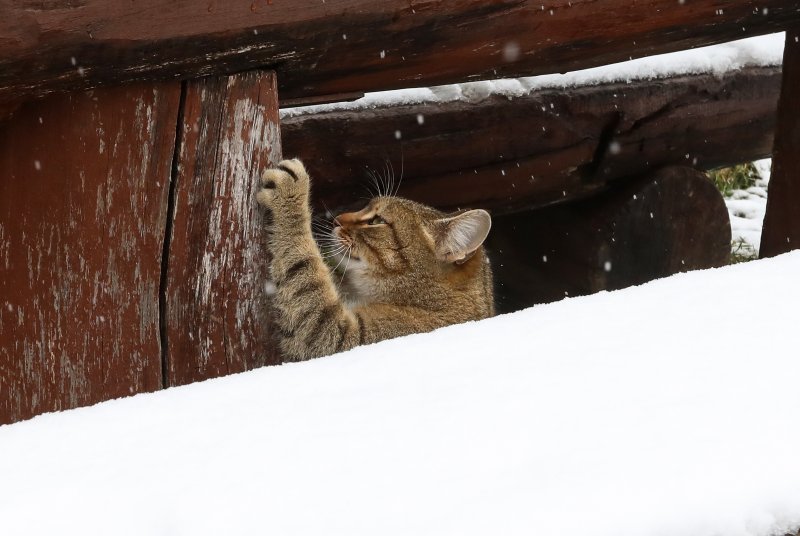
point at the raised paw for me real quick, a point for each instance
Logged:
(286, 184)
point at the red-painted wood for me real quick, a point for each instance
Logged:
(84, 181)
(350, 46)
(216, 294)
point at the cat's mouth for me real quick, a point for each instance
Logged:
(347, 241)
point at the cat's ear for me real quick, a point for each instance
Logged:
(458, 237)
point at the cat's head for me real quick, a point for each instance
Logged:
(393, 241)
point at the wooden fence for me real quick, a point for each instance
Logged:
(131, 253)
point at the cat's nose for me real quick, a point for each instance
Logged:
(346, 218)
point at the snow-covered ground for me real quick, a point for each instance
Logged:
(747, 209)
(665, 409)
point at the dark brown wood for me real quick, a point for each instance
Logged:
(550, 146)
(217, 306)
(781, 232)
(84, 181)
(351, 46)
(672, 221)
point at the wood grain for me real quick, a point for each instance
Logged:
(781, 231)
(217, 305)
(550, 146)
(84, 180)
(351, 46)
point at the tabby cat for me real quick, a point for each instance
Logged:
(410, 269)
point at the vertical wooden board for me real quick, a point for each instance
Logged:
(216, 293)
(84, 183)
(781, 232)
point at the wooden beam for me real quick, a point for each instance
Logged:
(781, 232)
(550, 146)
(217, 306)
(351, 46)
(84, 183)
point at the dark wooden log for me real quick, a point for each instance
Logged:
(351, 46)
(673, 221)
(550, 146)
(781, 232)
(217, 307)
(84, 181)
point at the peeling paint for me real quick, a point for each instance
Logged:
(216, 309)
(81, 275)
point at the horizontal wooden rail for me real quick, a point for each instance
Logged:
(340, 47)
(552, 145)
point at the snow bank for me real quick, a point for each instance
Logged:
(766, 50)
(666, 409)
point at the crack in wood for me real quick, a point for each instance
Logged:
(162, 287)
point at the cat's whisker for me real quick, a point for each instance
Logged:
(380, 183)
(399, 182)
(326, 239)
(322, 229)
(349, 249)
(346, 266)
(390, 173)
(374, 182)
(330, 217)
(389, 178)
(333, 255)
(329, 243)
(323, 232)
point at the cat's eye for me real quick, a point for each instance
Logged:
(376, 220)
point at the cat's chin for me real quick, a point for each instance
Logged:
(354, 286)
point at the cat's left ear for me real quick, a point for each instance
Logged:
(459, 237)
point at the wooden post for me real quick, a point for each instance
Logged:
(781, 232)
(84, 181)
(217, 305)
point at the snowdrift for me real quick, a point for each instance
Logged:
(670, 408)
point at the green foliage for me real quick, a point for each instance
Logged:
(727, 180)
(741, 251)
(733, 178)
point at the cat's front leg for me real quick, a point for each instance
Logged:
(310, 316)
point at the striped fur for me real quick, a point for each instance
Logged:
(402, 268)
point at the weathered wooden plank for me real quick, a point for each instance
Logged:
(781, 232)
(217, 305)
(351, 46)
(84, 180)
(550, 146)
(672, 221)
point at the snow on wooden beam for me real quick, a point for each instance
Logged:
(351, 46)
(549, 146)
